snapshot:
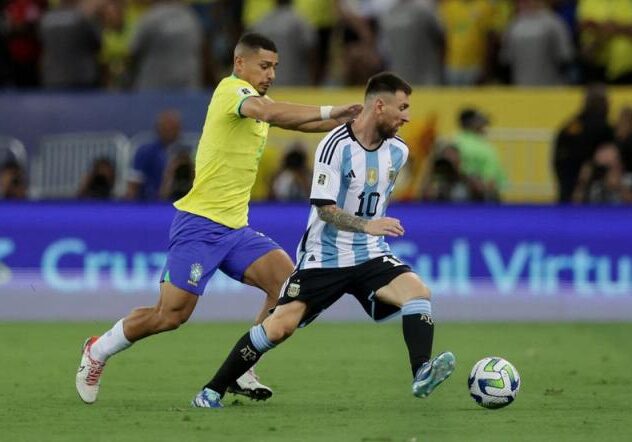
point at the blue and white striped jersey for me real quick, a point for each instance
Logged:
(358, 181)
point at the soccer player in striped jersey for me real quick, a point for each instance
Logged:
(210, 229)
(343, 249)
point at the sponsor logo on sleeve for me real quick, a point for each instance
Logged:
(392, 174)
(244, 92)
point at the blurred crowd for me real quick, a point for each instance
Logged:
(177, 44)
(181, 45)
(591, 158)
(591, 162)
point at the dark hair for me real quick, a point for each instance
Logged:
(295, 159)
(10, 164)
(386, 82)
(254, 41)
(469, 117)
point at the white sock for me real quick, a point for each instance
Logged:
(110, 343)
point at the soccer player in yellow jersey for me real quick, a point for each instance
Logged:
(210, 229)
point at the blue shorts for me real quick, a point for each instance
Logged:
(199, 246)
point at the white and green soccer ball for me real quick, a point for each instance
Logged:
(494, 382)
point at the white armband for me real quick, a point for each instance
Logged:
(325, 112)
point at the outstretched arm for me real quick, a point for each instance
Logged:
(342, 220)
(331, 123)
(298, 116)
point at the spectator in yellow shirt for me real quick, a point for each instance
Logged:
(606, 40)
(469, 27)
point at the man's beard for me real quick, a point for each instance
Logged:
(386, 131)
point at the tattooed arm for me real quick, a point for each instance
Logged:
(347, 222)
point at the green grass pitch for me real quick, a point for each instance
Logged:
(332, 382)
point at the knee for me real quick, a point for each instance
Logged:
(423, 293)
(169, 320)
(278, 331)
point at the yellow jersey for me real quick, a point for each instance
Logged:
(615, 53)
(467, 23)
(227, 157)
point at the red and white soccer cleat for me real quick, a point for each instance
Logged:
(248, 385)
(89, 373)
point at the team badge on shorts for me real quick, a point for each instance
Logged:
(196, 274)
(293, 290)
(371, 176)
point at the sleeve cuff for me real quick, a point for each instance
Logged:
(241, 104)
(321, 202)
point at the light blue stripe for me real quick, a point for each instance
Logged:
(360, 240)
(260, 339)
(330, 233)
(300, 254)
(417, 306)
(397, 161)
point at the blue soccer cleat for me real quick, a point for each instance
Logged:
(432, 373)
(207, 398)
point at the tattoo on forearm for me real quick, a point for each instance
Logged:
(341, 219)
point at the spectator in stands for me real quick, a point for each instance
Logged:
(567, 11)
(13, 182)
(623, 138)
(150, 160)
(296, 41)
(293, 181)
(178, 176)
(579, 138)
(5, 57)
(70, 44)
(601, 179)
(471, 31)
(114, 56)
(99, 182)
(360, 33)
(446, 182)
(322, 15)
(479, 159)
(537, 46)
(254, 10)
(414, 41)
(167, 49)
(606, 40)
(21, 22)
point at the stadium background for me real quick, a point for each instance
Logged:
(524, 123)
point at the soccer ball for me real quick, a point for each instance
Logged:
(493, 382)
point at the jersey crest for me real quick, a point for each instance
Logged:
(371, 176)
